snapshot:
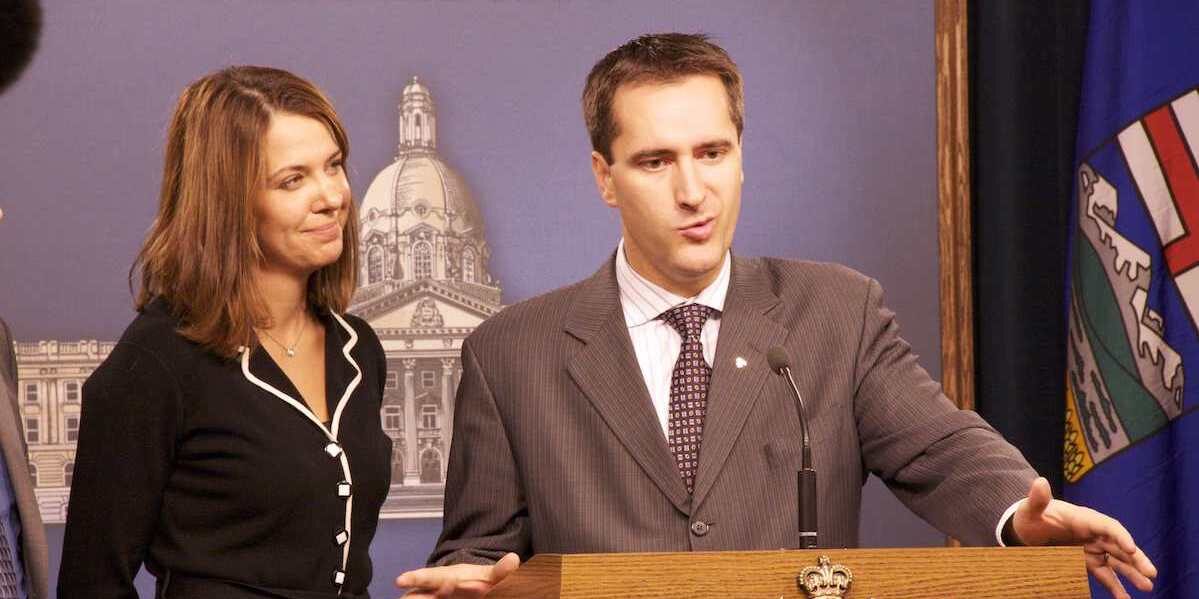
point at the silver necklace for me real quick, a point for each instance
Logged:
(290, 349)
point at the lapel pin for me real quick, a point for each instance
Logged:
(740, 362)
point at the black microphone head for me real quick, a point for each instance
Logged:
(778, 360)
(20, 27)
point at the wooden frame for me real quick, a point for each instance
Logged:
(954, 208)
(954, 205)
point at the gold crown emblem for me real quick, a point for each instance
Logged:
(826, 581)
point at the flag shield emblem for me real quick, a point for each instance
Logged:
(1135, 282)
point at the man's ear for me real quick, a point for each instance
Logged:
(603, 178)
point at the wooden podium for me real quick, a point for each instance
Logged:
(1040, 572)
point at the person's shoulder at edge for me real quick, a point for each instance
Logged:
(150, 348)
(805, 280)
(5, 333)
(7, 356)
(8, 361)
(551, 306)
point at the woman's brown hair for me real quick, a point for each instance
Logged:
(201, 250)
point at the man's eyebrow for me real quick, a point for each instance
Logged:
(651, 155)
(716, 144)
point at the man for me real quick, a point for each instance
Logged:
(638, 412)
(23, 554)
(24, 563)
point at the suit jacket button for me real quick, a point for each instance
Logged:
(699, 528)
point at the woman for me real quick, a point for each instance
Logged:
(231, 441)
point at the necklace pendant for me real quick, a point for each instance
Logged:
(291, 352)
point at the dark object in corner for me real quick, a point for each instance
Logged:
(20, 28)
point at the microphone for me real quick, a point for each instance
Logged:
(781, 365)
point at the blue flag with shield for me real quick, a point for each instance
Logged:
(1132, 382)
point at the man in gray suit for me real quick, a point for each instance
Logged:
(23, 546)
(636, 411)
(24, 563)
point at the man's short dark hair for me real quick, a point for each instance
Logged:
(655, 58)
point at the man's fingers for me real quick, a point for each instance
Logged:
(1131, 574)
(1100, 547)
(1039, 496)
(507, 565)
(446, 590)
(1101, 525)
(424, 578)
(1116, 540)
(472, 589)
(457, 581)
(1099, 568)
(434, 578)
(1143, 564)
(1137, 559)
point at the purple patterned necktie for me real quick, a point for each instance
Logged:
(688, 389)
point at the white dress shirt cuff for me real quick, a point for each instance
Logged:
(1007, 515)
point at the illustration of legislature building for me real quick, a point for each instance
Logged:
(50, 377)
(424, 286)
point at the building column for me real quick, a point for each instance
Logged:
(411, 451)
(447, 400)
(439, 258)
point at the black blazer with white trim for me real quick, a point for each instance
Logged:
(215, 475)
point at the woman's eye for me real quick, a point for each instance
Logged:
(291, 182)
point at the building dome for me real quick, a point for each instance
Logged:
(415, 91)
(418, 219)
(420, 188)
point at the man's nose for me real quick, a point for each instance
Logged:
(689, 188)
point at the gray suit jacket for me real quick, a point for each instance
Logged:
(557, 448)
(12, 446)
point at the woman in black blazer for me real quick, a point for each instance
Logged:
(231, 441)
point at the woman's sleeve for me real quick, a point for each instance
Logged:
(127, 439)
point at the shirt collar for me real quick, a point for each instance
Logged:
(642, 301)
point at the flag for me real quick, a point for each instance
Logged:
(1132, 376)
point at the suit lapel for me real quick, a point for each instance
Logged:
(14, 453)
(606, 370)
(746, 334)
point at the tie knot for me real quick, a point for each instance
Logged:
(687, 319)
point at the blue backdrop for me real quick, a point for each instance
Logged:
(839, 146)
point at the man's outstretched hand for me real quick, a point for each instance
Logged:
(460, 581)
(1109, 548)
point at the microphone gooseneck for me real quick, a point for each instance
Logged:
(781, 365)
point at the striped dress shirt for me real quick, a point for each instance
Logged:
(656, 343)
